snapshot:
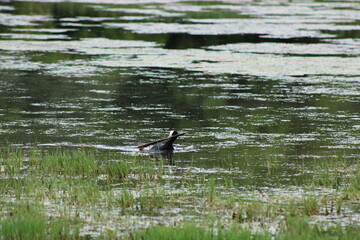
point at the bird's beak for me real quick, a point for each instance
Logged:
(171, 133)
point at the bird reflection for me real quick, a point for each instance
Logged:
(163, 155)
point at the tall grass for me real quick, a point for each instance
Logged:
(25, 221)
(12, 160)
(211, 192)
(352, 189)
(118, 169)
(193, 232)
(150, 200)
(77, 180)
(298, 228)
(78, 162)
(339, 174)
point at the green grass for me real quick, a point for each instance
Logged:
(193, 232)
(352, 189)
(12, 160)
(211, 194)
(23, 222)
(26, 221)
(86, 188)
(296, 228)
(76, 162)
(126, 199)
(340, 175)
(119, 169)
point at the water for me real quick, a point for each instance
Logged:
(245, 80)
(248, 81)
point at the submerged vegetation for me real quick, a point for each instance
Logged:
(61, 194)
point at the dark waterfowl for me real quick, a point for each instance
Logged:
(160, 149)
(168, 146)
(165, 150)
(173, 135)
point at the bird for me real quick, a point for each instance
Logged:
(168, 146)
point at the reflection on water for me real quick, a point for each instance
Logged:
(246, 80)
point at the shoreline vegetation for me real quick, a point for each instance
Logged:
(84, 193)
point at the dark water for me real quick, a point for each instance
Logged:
(249, 82)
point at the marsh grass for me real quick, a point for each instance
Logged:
(118, 169)
(309, 205)
(352, 189)
(151, 200)
(148, 170)
(299, 228)
(12, 160)
(23, 222)
(193, 232)
(338, 174)
(78, 162)
(331, 173)
(79, 192)
(78, 179)
(252, 211)
(211, 192)
(126, 199)
(26, 221)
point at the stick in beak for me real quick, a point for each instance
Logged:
(160, 140)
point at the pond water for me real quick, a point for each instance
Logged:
(250, 82)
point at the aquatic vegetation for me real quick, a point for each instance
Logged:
(96, 191)
(211, 194)
(352, 190)
(150, 199)
(26, 221)
(309, 205)
(126, 199)
(300, 228)
(193, 232)
(23, 222)
(119, 169)
(339, 174)
(11, 160)
(296, 228)
(76, 162)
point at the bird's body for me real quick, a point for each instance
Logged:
(168, 146)
(165, 150)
